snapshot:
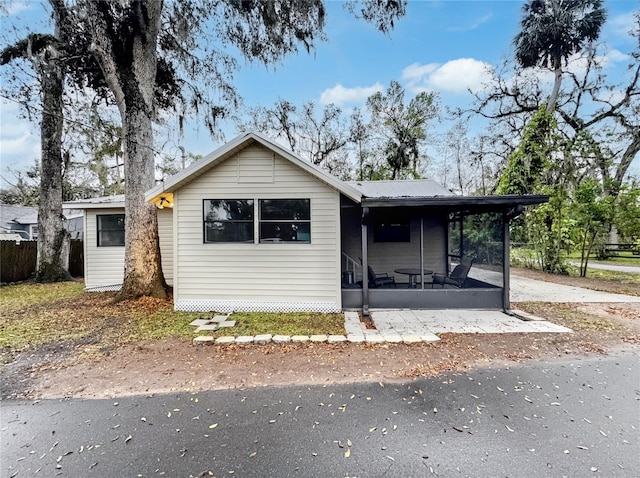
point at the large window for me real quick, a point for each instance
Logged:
(285, 220)
(110, 230)
(228, 220)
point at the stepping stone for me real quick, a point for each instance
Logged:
(226, 340)
(352, 316)
(207, 327)
(199, 322)
(227, 323)
(281, 339)
(318, 338)
(392, 338)
(355, 338)
(335, 339)
(374, 339)
(244, 340)
(203, 339)
(411, 339)
(219, 318)
(263, 339)
(299, 339)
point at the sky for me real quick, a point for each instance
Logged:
(442, 46)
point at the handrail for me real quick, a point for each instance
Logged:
(350, 264)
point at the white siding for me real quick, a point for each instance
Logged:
(165, 234)
(103, 266)
(253, 276)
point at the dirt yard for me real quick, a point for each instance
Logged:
(75, 370)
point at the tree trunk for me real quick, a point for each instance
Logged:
(53, 239)
(142, 269)
(553, 98)
(129, 65)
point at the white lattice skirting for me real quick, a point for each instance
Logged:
(104, 288)
(253, 306)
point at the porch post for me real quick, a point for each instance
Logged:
(506, 267)
(365, 261)
(421, 251)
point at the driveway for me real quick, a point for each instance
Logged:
(610, 267)
(531, 290)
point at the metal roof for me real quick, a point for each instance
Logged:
(95, 203)
(417, 188)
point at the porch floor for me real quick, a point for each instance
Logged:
(409, 325)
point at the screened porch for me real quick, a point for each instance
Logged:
(413, 245)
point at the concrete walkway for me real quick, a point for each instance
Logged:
(424, 325)
(409, 326)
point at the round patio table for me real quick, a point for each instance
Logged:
(414, 274)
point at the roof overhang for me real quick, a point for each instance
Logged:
(231, 148)
(105, 202)
(470, 204)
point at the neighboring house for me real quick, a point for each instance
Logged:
(22, 220)
(252, 226)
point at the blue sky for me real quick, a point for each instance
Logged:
(442, 46)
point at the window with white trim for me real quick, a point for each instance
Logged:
(110, 230)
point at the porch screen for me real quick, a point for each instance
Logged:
(285, 220)
(228, 220)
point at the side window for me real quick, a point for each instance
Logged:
(285, 220)
(110, 230)
(228, 220)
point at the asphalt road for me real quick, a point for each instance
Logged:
(576, 418)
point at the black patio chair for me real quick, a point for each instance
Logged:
(380, 280)
(457, 277)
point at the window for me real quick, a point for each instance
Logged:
(285, 220)
(110, 230)
(228, 220)
(391, 227)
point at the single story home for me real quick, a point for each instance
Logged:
(254, 227)
(23, 221)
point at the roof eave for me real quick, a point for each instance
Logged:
(458, 201)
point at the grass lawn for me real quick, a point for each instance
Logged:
(64, 315)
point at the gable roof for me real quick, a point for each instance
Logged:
(237, 144)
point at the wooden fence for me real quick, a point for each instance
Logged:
(18, 260)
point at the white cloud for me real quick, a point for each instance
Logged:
(339, 95)
(622, 24)
(416, 71)
(455, 76)
(13, 8)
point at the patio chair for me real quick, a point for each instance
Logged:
(380, 280)
(457, 277)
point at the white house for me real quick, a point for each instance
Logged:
(254, 227)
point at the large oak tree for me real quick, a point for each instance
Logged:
(199, 42)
